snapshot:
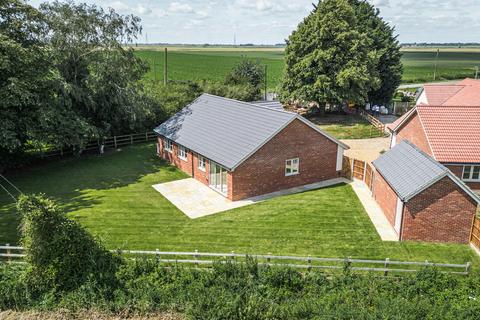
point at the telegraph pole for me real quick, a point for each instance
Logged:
(265, 82)
(436, 63)
(165, 68)
(476, 73)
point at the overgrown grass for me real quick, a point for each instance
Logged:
(204, 64)
(112, 197)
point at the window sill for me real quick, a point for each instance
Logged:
(291, 174)
(182, 158)
(202, 169)
(469, 180)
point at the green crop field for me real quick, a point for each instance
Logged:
(214, 63)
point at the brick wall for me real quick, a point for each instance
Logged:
(441, 213)
(458, 171)
(264, 172)
(172, 157)
(412, 130)
(385, 197)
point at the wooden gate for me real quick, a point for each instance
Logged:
(475, 236)
(359, 169)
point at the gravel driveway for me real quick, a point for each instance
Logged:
(367, 149)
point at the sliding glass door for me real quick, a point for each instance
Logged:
(218, 178)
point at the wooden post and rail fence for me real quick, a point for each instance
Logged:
(110, 143)
(15, 254)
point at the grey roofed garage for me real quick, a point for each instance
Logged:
(408, 170)
(226, 131)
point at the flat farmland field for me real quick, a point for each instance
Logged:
(213, 63)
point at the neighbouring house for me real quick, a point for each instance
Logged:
(445, 124)
(243, 150)
(422, 199)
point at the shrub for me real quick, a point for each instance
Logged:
(61, 255)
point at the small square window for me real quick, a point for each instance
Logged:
(476, 173)
(201, 163)
(292, 167)
(182, 153)
(168, 145)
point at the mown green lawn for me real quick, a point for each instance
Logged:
(111, 196)
(347, 126)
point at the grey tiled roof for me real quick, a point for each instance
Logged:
(269, 104)
(408, 170)
(226, 131)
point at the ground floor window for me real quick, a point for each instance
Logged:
(168, 145)
(292, 167)
(471, 173)
(182, 153)
(201, 163)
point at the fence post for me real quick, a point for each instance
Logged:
(115, 141)
(232, 257)
(8, 252)
(146, 136)
(196, 258)
(268, 257)
(309, 261)
(157, 254)
(131, 139)
(387, 261)
(364, 171)
(467, 268)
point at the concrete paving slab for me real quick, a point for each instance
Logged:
(384, 228)
(197, 200)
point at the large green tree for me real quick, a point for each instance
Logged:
(101, 76)
(333, 57)
(385, 42)
(28, 81)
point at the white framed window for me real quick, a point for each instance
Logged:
(168, 145)
(182, 153)
(201, 163)
(292, 167)
(471, 173)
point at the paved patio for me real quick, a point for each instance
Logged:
(384, 228)
(197, 200)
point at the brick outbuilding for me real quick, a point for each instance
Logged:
(422, 199)
(243, 149)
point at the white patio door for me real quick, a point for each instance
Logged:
(218, 178)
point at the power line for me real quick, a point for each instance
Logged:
(14, 186)
(11, 195)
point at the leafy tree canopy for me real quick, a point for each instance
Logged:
(334, 57)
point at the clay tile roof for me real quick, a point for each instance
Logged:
(453, 132)
(438, 94)
(467, 96)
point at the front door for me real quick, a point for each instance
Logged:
(218, 178)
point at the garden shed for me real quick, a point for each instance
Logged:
(422, 199)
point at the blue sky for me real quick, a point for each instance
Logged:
(271, 21)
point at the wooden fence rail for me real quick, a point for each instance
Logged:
(108, 143)
(197, 258)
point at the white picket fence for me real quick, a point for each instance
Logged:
(15, 254)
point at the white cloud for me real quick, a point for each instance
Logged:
(178, 7)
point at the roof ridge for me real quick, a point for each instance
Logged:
(427, 156)
(248, 103)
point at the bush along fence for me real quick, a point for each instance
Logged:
(96, 146)
(13, 254)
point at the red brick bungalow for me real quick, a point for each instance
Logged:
(422, 199)
(445, 124)
(243, 150)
